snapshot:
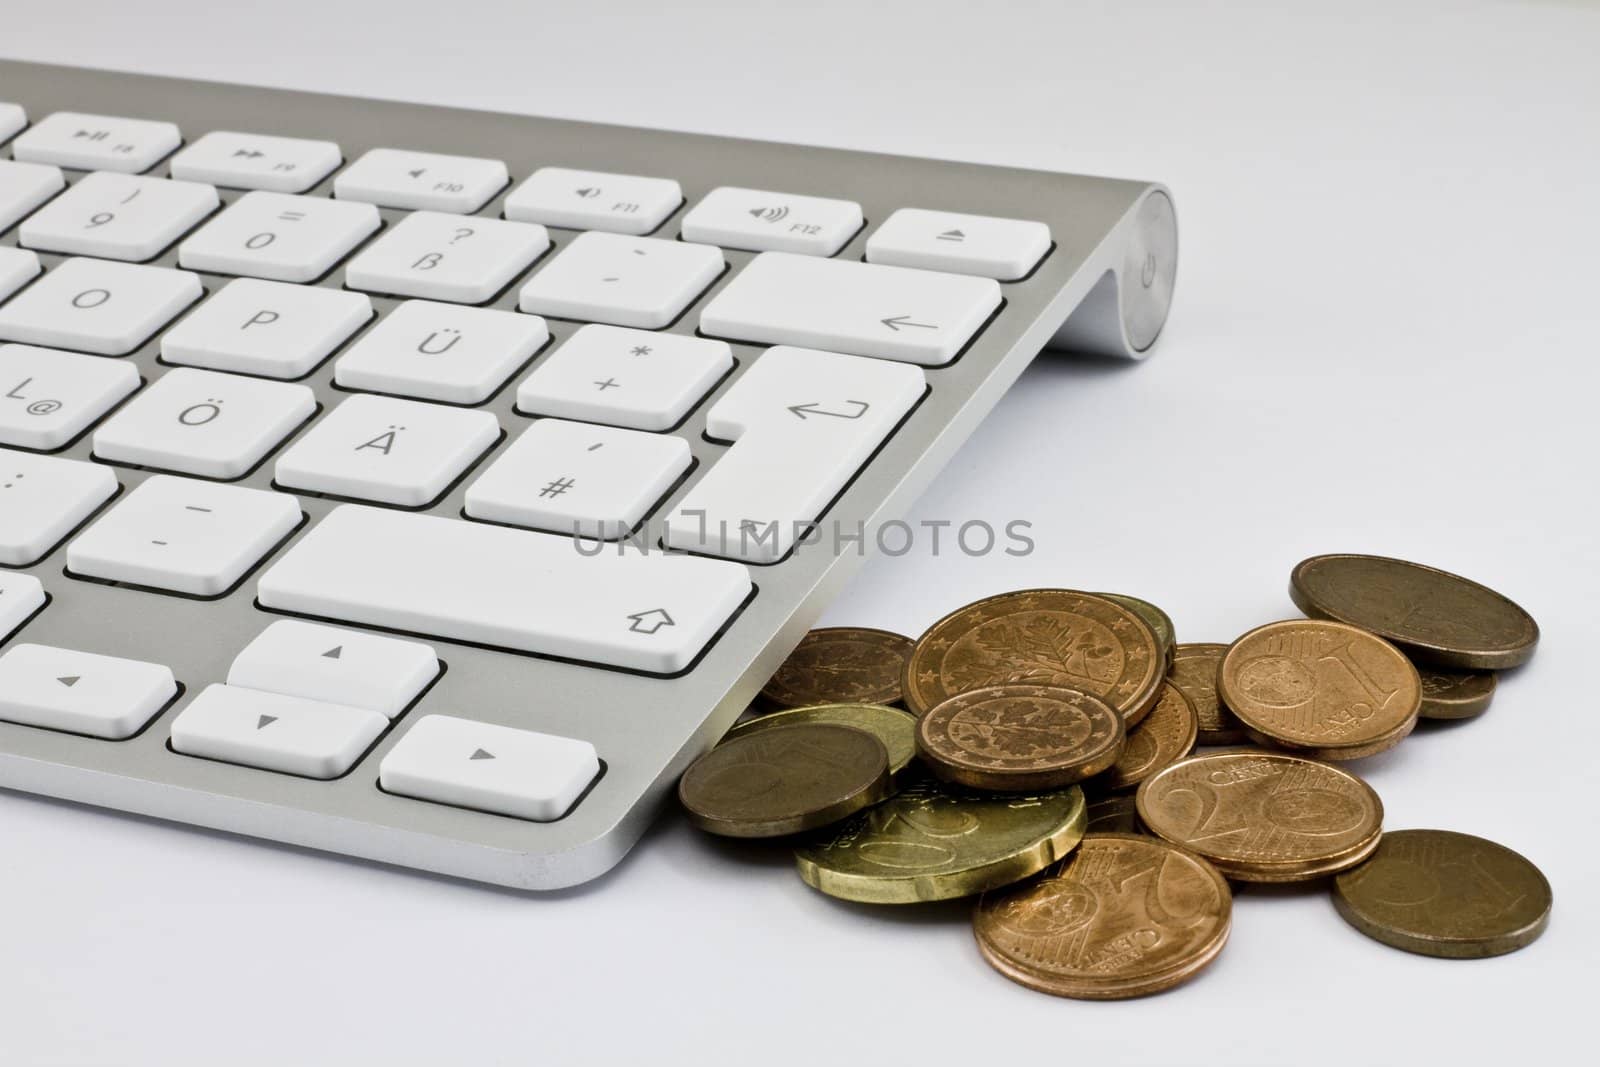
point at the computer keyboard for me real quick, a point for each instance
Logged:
(431, 486)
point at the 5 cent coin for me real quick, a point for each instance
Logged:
(1020, 738)
(1455, 694)
(840, 665)
(895, 728)
(785, 780)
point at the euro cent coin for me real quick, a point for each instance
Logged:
(1194, 670)
(785, 780)
(895, 728)
(1020, 738)
(840, 665)
(1439, 618)
(1159, 621)
(1448, 694)
(1166, 736)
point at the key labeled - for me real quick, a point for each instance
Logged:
(288, 734)
(626, 281)
(93, 305)
(421, 181)
(119, 216)
(257, 161)
(48, 398)
(271, 329)
(488, 767)
(305, 659)
(594, 200)
(21, 597)
(438, 256)
(43, 499)
(97, 142)
(433, 351)
(1003, 249)
(574, 478)
(761, 221)
(611, 374)
(205, 423)
(81, 693)
(391, 451)
(183, 535)
(279, 237)
(863, 309)
(23, 187)
(513, 589)
(803, 423)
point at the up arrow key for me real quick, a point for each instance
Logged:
(481, 754)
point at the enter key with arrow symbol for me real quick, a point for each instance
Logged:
(905, 322)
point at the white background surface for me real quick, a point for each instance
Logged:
(1385, 339)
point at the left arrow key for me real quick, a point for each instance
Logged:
(80, 692)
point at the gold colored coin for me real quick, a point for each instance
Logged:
(1439, 618)
(1052, 637)
(939, 842)
(895, 728)
(1113, 813)
(1445, 894)
(785, 780)
(1020, 738)
(1324, 689)
(1455, 694)
(840, 665)
(1165, 737)
(1123, 916)
(1194, 670)
(1160, 622)
(1264, 816)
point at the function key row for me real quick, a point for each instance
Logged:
(752, 220)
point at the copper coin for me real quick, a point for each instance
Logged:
(1019, 738)
(1264, 816)
(1123, 916)
(1455, 694)
(1113, 813)
(1445, 894)
(840, 665)
(1165, 737)
(1160, 622)
(1194, 670)
(1324, 689)
(785, 780)
(1054, 637)
(1438, 617)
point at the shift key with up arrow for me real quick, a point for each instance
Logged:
(803, 422)
(864, 309)
(81, 693)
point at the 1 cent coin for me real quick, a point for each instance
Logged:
(1455, 694)
(1438, 617)
(1264, 816)
(895, 728)
(785, 780)
(1020, 738)
(1321, 688)
(1166, 736)
(1041, 637)
(938, 842)
(1445, 894)
(840, 665)
(1194, 670)
(1123, 916)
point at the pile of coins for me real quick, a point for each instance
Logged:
(1037, 750)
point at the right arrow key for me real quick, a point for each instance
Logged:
(863, 309)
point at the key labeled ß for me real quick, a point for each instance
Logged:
(439, 256)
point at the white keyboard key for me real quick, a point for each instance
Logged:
(442, 352)
(305, 659)
(626, 281)
(421, 181)
(860, 308)
(80, 692)
(391, 451)
(23, 187)
(763, 221)
(515, 589)
(184, 535)
(491, 768)
(436, 256)
(648, 381)
(271, 329)
(47, 398)
(97, 142)
(279, 237)
(92, 305)
(43, 499)
(1005, 249)
(802, 423)
(593, 200)
(257, 161)
(205, 423)
(573, 478)
(18, 267)
(119, 216)
(274, 732)
(12, 119)
(21, 596)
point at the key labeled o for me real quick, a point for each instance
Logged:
(91, 298)
(200, 414)
(260, 241)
